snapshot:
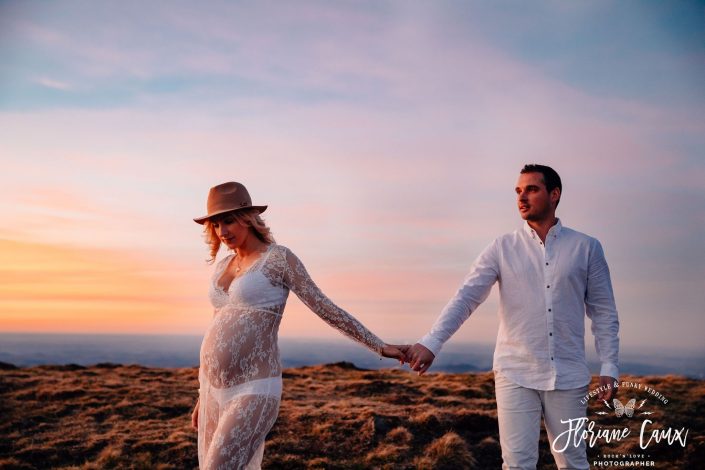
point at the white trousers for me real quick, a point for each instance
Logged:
(519, 412)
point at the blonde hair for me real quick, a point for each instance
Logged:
(247, 217)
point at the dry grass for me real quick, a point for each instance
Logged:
(448, 452)
(332, 417)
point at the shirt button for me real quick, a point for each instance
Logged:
(551, 357)
(546, 264)
(550, 334)
(549, 309)
(548, 287)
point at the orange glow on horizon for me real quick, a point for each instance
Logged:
(47, 288)
(64, 289)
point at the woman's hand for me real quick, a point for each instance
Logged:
(396, 351)
(194, 416)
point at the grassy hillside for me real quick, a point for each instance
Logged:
(332, 416)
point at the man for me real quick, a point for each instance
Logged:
(549, 277)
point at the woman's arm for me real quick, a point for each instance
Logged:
(297, 279)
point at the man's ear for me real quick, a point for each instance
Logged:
(555, 195)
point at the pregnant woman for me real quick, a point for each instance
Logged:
(240, 372)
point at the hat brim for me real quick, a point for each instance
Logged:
(202, 220)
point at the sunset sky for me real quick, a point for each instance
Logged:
(386, 138)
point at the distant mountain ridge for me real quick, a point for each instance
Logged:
(182, 351)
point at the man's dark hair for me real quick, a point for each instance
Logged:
(550, 177)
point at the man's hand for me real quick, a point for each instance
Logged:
(607, 393)
(419, 358)
(396, 351)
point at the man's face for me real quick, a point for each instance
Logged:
(533, 200)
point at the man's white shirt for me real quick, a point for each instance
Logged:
(545, 291)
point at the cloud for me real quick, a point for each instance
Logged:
(54, 84)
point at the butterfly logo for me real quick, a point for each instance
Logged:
(627, 410)
(620, 409)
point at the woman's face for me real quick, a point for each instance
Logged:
(230, 231)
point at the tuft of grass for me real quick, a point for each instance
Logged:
(449, 452)
(14, 464)
(392, 451)
(109, 458)
(400, 435)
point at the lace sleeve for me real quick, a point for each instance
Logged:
(296, 278)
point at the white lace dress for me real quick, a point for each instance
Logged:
(240, 371)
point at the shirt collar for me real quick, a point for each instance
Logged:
(555, 230)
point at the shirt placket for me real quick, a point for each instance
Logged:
(549, 275)
(547, 250)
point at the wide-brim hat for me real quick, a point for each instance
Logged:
(228, 197)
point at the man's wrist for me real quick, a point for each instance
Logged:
(431, 344)
(609, 370)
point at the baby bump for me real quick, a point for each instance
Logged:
(240, 345)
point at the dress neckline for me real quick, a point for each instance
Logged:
(252, 267)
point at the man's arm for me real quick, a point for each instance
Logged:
(475, 289)
(601, 309)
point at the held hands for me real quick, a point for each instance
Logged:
(395, 351)
(418, 356)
